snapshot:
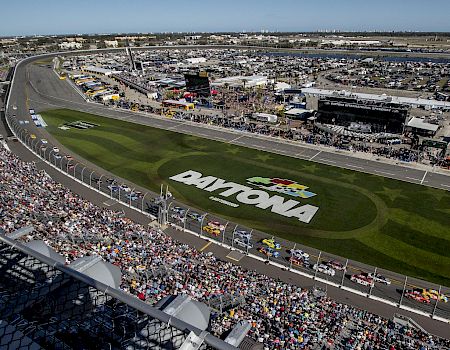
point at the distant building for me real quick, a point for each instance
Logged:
(192, 37)
(382, 117)
(196, 60)
(420, 126)
(111, 43)
(66, 45)
(241, 81)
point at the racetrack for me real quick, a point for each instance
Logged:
(391, 224)
(38, 101)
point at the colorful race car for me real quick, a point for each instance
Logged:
(379, 278)
(213, 230)
(195, 216)
(324, 269)
(269, 252)
(297, 261)
(299, 254)
(271, 243)
(435, 295)
(362, 279)
(417, 296)
(334, 264)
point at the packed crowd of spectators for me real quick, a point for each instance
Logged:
(282, 316)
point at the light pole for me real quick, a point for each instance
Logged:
(201, 223)
(82, 174)
(437, 299)
(168, 208)
(290, 260)
(248, 240)
(100, 181)
(343, 273)
(142, 203)
(90, 178)
(234, 232)
(50, 153)
(373, 281)
(317, 266)
(403, 291)
(74, 169)
(60, 165)
(132, 191)
(185, 219)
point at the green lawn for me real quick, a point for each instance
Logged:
(387, 223)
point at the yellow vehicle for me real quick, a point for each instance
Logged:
(170, 114)
(33, 136)
(270, 242)
(434, 294)
(211, 230)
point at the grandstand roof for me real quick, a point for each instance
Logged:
(419, 123)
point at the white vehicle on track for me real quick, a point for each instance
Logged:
(324, 269)
(379, 278)
(299, 254)
(362, 279)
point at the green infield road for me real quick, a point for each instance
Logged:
(386, 223)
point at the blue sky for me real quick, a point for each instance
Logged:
(22, 17)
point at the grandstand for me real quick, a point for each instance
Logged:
(381, 116)
(47, 305)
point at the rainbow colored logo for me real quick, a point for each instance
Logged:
(288, 187)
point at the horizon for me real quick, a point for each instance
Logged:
(286, 16)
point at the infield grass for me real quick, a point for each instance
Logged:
(387, 223)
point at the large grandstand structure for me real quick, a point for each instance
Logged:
(45, 304)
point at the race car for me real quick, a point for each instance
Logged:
(125, 188)
(113, 188)
(132, 196)
(362, 279)
(243, 243)
(435, 295)
(195, 216)
(334, 264)
(178, 210)
(217, 225)
(243, 234)
(211, 230)
(324, 269)
(417, 296)
(269, 252)
(299, 254)
(270, 242)
(379, 278)
(297, 261)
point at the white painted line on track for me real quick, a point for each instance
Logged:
(354, 166)
(423, 178)
(174, 127)
(384, 172)
(314, 156)
(412, 178)
(327, 160)
(235, 139)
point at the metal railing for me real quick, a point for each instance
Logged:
(50, 304)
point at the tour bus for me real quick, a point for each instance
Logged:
(187, 106)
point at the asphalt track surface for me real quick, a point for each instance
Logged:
(39, 88)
